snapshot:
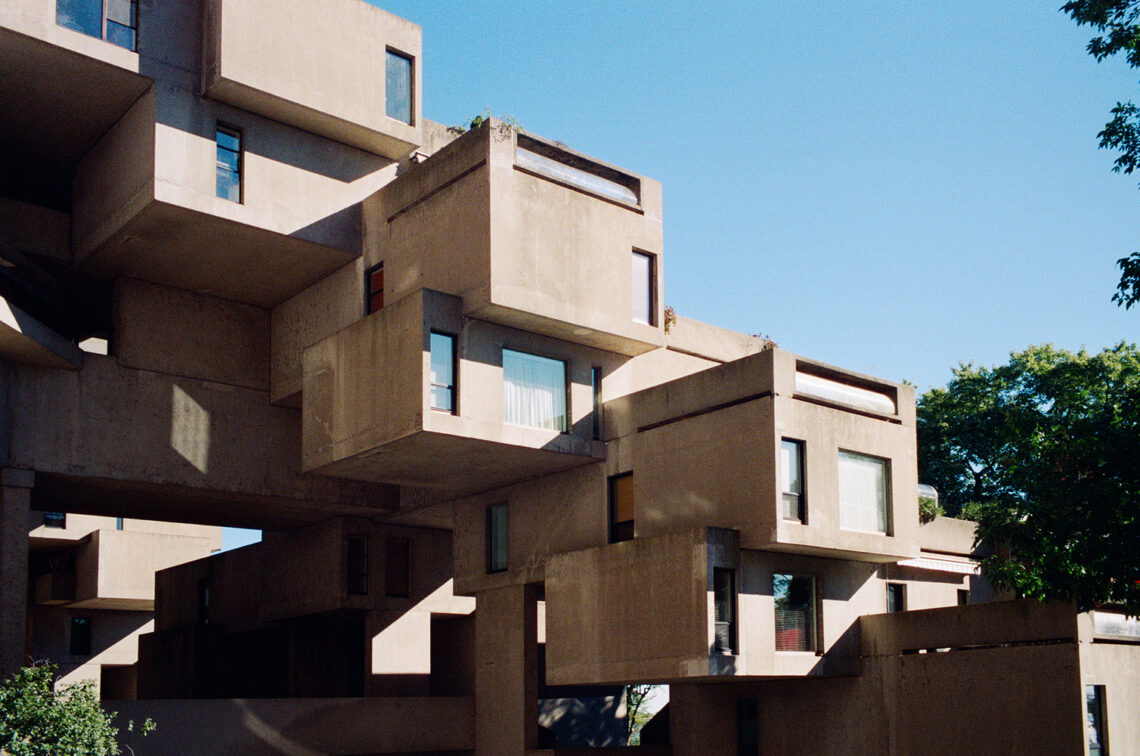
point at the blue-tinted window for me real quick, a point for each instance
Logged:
(442, 372)
(113, 20)
(55, 519)
(398, 89)
(497, 538)
(229, 163)
(122, 21)
(84, 16)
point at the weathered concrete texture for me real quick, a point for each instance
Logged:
(506, 674)
(115, 568)
(1117, 668)
(34, 229)
(13, 575)
(268, 727)
(114, 640)
(25, 339)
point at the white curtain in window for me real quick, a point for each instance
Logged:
(863, 483)
(534, 391)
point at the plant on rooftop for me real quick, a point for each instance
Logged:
(507, 124)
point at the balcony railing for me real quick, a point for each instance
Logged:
(113, 20)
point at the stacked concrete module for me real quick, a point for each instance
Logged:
(498, 480)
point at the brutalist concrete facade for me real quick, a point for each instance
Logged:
(494, 471)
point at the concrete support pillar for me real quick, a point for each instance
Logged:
(506, 671)
(702, 720)
(15, 500)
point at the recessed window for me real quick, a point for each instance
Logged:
(356, 565)
(621, 508)
(792, 479)
(534, 391)
(55, 519)
(397, 567)
(116, 20)
(229, 163)
(118, 523)
(1097, 724)
(724, 610)
(963, 597)
(794, 597)
(864, 499)
(398, 87)
(497, 538)
(442, 371)
(374, 289)
(80, 642)
(596, 390)
(896, 597)
(644, 290)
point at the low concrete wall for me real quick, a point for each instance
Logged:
(299, 726)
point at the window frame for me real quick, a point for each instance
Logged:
(801, 495)
(886, 499)
(896, 597)
(816, 625)
(80, 644)
(1096, 720)
(651, 293)
(596, 395)
(369, 292)
(566, 413)
(55, 520)
(104, 20)
(451, 388)
(617, 533)
(733, 609)
(494, 565)
(389, 52)
(220, 127)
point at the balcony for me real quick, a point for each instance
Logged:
(371, 412)
(795, 455)
(529, 235)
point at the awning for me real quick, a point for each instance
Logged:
(942, 565)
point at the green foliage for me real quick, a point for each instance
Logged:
(928, 509)
(637, 698)
(1042, 452)
(36, 720)
(1118, 24)
(508, 122)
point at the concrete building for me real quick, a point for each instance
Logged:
(497, 476)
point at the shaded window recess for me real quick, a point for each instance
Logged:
(621, 508)
(399, 71)
(443, 371)
(793, 501)
(558, 165)
(644, 292)
(55, 519)
(374, 289)
(963, 597)
(356, 565)
(497, 538)
(795, 599)
(724, 610)
(896, 597)
(229, 163)
(116, 21)
(596, 391)
(1096, 720)
(80, 641)
(398, 568)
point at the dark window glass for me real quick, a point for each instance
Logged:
(896, 597)
(621, 508)
(398, 89)
(80, 643)
(1095, 717)
(397, 567)
(55, 519)
(356, 553)
(374, 288)
(963, 597)
(442, 372)
(497, 538)
(792, 466)
(795, 612)
(596, 387)
(228, 163)
(724, 609)
(644, 302)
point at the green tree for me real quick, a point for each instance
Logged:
(36, 720)
(1118, 25)
(1043, 452)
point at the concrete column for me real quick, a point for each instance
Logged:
(506, 671)
(15, 500)
(702, 720)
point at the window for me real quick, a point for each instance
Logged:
(863, 499)
(644, 301)
(596, 390)
(497, 538)
(398, 87)
(229, 163)
(795, 612)
(356, 565)
(55, 519)
(963, 597)
(724, 610)
(397, 568)
(374, 289)
(118, 523)
(534, 391)
(80, 643)
(116, 20)
(792, 465)
(896, 597)
(621, 508)
(442, 372)
(1095, 717)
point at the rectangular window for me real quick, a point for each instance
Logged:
(116, 20)
(795, 612)
(118, 523)
(398, 568)
(442, 372)
(497, 538)
(1097, 722)
(864, 500)
(55, 519)
(534, 391)
(596, 390)
(621, 508)
(374, 289)
(229, 163)
(80, 642)
(963, 597)
(644, 301)
(398, 87)
(896, 597)
(356, 565)
(724, 610)
(792, 465)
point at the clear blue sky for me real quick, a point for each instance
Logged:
(891, 187)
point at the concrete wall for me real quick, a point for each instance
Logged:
(1117, 668)
(114, 639)
(115, 568)
(36, 18)
(30, 228)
